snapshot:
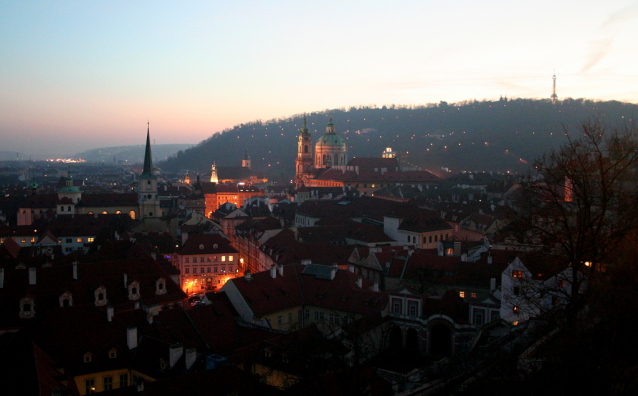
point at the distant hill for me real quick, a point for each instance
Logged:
(501, 135)
(131, 154)
(12, 155)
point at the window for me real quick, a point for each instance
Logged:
(201, 270)
(515, 309)
(108, 383)
(307, 314)
(87, 357)
(113, 353)
(187, 270)
(215, 269)
(517, 274)
(462, 294)
(561, 283)
(223, 268)
(69, 240)
(517, 290)
(231, 258)
(79, 240)
(479, 317)
(413, 308)
(24, 240)
(90, 239)
(208, 269)
(32, 239)
(123, 380)
(89, 386)
(473, 295)
(449, 252)
(223, 258)
(396, 306)
(186, 260)
(201, 259)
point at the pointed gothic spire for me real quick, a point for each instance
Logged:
(246, 157)
(148, 162)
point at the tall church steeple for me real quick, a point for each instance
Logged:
(147, 186)
(213, 174)
(148, 161)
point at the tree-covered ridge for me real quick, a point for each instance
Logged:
(471, 135)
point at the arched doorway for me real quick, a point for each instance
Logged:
(396, 337)
(412, 339)
(440, 340)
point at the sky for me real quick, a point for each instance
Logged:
(77, 75)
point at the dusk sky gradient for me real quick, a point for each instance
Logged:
(76, 75)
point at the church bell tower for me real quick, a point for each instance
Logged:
(303, 163)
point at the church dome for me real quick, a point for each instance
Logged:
(330, 140)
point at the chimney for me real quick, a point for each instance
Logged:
(109, 313)
(489, 259)
(360, 282)
(280, 269)
(273, 271)
(137, 305)
(248, 276)
(95, 215)
(125, 280)
(154, 255)
(75, 270)
(131, 337)
(31, 275)
(492, 284)
(191, 356)
(333, 271)
(174, 353)
(375, 286)
(1, 278)
(139, 384)
(351, 268)
(149, 318)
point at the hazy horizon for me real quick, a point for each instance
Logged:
(78, 76)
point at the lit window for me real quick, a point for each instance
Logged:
(24, 240)
(462, 294)
(79, 240)
(561, 283)
(517, 274)
(473, 295)
(32, 239)
(90, 239)
(223, 258)
(89, 386)
(231, 258)
(516, 310)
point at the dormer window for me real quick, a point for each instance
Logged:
(100, 296)
(163, 364)
(66, 300)
(215, 246)
(27, 308)
(113, 353)
(160, 286)
(87, 357)
(201, 246)
(134, 290)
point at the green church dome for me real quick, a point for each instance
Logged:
(330, 140)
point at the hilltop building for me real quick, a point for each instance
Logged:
(331, 168)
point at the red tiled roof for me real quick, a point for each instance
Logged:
(206, 244)
(266, 295)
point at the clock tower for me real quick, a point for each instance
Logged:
(147, 186)
(303, 163)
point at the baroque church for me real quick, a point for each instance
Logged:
(330, 151)
(330, 166)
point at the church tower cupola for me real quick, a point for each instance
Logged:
(245, 162)
(213, 174)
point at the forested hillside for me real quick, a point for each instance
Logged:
(501, 135)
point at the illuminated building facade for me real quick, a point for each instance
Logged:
(206, 262)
